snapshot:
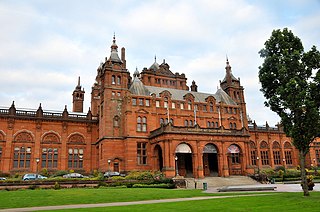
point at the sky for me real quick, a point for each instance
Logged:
(45, 45)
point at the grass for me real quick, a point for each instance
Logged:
(272, 201)
(29, 198)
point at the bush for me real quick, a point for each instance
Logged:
(56, 186)
(60, 173)
(278, 168)
(162, 185)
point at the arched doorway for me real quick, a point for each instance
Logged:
(158, 158)
(234, 160)
(184, 160)
(210, 161)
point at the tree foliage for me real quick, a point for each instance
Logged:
(290, 80)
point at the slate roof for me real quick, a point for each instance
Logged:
(137, 88)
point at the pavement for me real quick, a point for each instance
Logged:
(279, 188)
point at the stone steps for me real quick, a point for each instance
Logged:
(215, 182)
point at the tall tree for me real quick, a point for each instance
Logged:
(290, 80)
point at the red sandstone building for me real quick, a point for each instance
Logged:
(152, 121)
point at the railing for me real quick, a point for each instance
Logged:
(44, 114)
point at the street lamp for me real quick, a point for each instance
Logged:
(176, 159)
(37, 160)
(109, 161)
(284, 165)
(258, 165)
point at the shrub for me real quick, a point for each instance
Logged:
(56, 186)
(60, 173)
(278, 168)
(45, 172)
(162, 185)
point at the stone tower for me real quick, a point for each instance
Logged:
(78, 97)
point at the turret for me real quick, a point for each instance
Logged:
(78, 98)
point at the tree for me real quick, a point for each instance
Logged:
(290, 80)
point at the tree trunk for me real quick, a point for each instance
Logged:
(303, 173)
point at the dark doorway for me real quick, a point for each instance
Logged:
(185, 164)
(210, 161)
(210, 164)
(158, 158)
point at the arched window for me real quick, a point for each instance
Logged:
(139, 124)
(113, 80)
(191, 123)
(288, 153)
(276, 153)
(264, 152)
(186, 123)
(234, 126)
(161, 121)
(253, 153)
(208, 124)
(171, 121)
(116, 121)
(234, 152)
(231, 125)
(217, 125)
(119, 80)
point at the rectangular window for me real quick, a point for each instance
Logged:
(253, 156)
(75, 158)
(157, 103)
(181, 106)
(288, 157)
(317, 156)
(134, 101)
(235, 158)
(264, 157)
(276, 157)
(141, 153)
(141, 102)
(118, 94)
(204, 108)
(113, 93)
(165, 105)
(49, 158)
(147, 102)
(173, 105)
(21, 157)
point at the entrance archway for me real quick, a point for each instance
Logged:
(234, 160)
(184, 160)
(210, 161)
(158, 158)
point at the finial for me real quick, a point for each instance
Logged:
(227, 58)
(164, 61)
(155, 58)
(114, 37)
(79, 81)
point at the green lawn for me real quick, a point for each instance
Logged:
(29, 198)
(272, 201)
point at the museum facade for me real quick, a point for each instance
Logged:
(148, 121)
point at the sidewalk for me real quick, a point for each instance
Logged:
(280, 188)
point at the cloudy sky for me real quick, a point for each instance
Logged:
(46, 45)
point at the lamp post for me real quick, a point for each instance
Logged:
(258, 165)
(37, 161)
(176, 159)
(109, 161)
(284, 165)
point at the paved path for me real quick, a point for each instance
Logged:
(280, 188)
